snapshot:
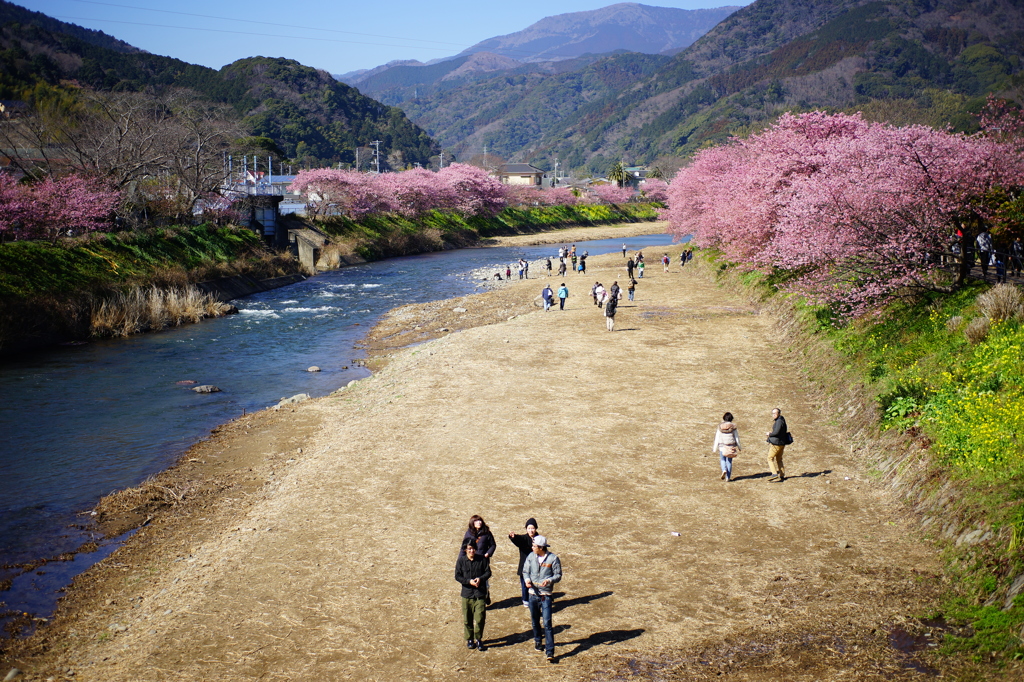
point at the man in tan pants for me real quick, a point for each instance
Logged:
(777, 439)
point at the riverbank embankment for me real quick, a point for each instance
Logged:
(318, 541)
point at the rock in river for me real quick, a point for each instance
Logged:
(314, 368)
(206, 388)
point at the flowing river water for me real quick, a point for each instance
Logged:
(79, 422)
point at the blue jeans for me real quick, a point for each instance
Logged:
(726, 463)
(631, 294)
(526, 591)
(540, 608)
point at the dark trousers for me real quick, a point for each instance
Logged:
(474, 615)
(561, 304)
(522, 582)
(540, 617)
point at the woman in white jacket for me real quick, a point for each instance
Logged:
(727, 444)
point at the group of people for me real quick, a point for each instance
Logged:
(548, 297)
(539, 569)
(727, 445)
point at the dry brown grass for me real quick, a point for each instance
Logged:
(1002, 302)
(977, 329)
(954, 323)
(151, 308)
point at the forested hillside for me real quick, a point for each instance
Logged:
(307, 114)
(927, 61)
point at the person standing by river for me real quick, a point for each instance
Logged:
(561, 266)
(547, 267)
(610, 307)
(640, 270)
(563, 293)
(524, 542)
(726, 445)
(778, 439)
(472, 571)
(632, 288)
(629, 268)
(623, 249)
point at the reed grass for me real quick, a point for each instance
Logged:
(140, 309)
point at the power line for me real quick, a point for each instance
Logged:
(519, 53)
(249, 33)
(269, 23)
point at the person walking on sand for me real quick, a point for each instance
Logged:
(632, 288)
(472, 571)
(508, 272)
(726, 445)
(682, 258)
(615, 291)
(593, 291)
(561, 267)
(548, 268)
(600, 294)
(480, 535)
(778, 439)
(583, 264)
(541, 571)
(640, 270)
(526, 269)
(563, 293)
(573, 259)
(524, 541)
(549, 298)
(665, 261)
(629, 268)
(610, 308)
(623, 249)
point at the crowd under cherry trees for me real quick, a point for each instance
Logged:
(860, 211)
(53, 207)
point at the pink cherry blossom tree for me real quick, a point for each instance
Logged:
(613, 194)
(54, 207)
(12, 207)
(858, 209)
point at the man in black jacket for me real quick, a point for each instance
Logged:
(472, 571)
(524, 541)
(777, 439)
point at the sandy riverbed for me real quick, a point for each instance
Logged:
(318, 543)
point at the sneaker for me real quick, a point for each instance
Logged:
(538, 646)
(470, 644)
(551, 658)
(723, 476)
(773, 478)
(480, 645)
(526, 604)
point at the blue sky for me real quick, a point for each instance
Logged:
(336, 36)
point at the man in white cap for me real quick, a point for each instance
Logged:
(540, 573)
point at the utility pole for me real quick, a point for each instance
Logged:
(440, 162)
(357, 158)
(376, 154)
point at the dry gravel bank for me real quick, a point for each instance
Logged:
(337, 562)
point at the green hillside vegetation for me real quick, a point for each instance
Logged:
(915, 61)
(947, 373)
(309, 116)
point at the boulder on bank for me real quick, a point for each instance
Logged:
(206, 388)
(298, 398)
(314, 368)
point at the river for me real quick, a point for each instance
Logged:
(79, 422)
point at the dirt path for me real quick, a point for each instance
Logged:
(341, 565)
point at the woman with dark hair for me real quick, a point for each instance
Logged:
(726, 445)
(480, 536)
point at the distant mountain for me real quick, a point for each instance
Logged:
(927, 61)
(625, 26)
(303, 110)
